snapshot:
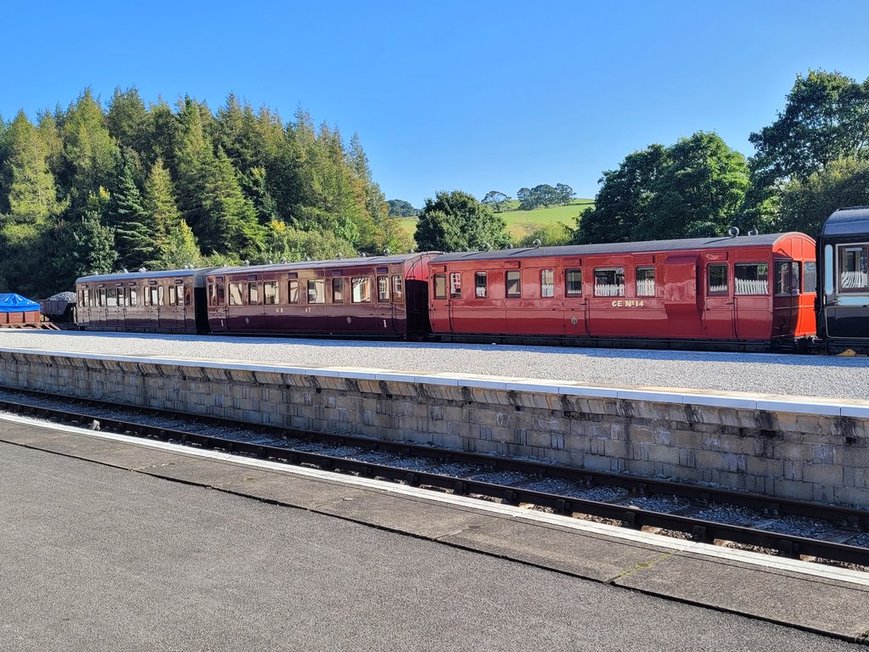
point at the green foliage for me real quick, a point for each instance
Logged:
(547, 235)
(456, 221)
(826, 118)
(136, 235)
(402, 208)
(81, 244)
(496, 199)
(805, 204)
(694, 188)
(699, 191)
(623, 199)
(543, 195)
(90, 154)
(27, 186)
(288, 244)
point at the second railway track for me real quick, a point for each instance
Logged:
(824, 533)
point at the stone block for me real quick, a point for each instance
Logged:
(828, 474)
(793, 489)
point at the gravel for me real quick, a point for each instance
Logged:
(755, 373)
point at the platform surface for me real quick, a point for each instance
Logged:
(194, 550)
(755, 374)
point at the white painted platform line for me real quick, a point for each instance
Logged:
(767, 562)
(734, 400)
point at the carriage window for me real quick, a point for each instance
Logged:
(573, 282)
(645, 281)
(316, 290)
(397, 289)
(481, 285)
(337, 290)
(514, 284)
(751, 278)
(440, 286)
(134, 296)
(122, 297)
(102, 298)
(547, 283)
(455, 285)
(854, 268)
(155, 296)
(161, 292)
(293, 288)
(270, 293)
(360, 289)
(111, 298)
(787, 278)
(783, 282)
(609, 282)
(173, 296)
(383, 288)
(810, 277)
(221, 294)
(717, 279)
(235, 294)
(253, 294)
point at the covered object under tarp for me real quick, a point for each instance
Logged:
(17, 310)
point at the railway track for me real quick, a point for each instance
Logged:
(824, 533)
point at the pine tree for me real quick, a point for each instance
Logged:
(90, 154)
(230, 224)
(174, 241)
(29, 187)
(134, 231)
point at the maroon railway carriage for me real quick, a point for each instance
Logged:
(379, 296)
(750, 289)
(160, 302)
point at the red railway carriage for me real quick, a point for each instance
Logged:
(752, 289)
(384, 296)
(163, 301)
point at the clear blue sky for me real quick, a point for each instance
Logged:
(473, 95)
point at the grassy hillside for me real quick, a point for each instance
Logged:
(521, 223)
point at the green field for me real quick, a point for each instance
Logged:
(521, 223)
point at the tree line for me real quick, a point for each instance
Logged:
(813, 159)
(89, 189)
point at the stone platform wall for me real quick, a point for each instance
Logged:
(785, 448)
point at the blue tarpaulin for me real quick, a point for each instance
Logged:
(16, 303)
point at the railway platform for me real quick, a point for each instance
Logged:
(115, 543)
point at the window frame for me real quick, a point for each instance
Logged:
(717, 293)
(841, 251)
(654, 286)
(271, 293)
(293, 284)
(807, 275)
(364, 283)
(484, 287)
(547, 289)
(382, 282)
(517, 277)
(737, 266)
(397, 288)
(619, 274)
(232, 289)
(439, 282)
(319, 294)
(567, 282)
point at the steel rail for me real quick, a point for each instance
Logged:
(699, 530)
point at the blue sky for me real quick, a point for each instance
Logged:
(474, 95)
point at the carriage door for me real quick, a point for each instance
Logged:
(718, 299)
(575, 304)
(217, 304)
(439, 301)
